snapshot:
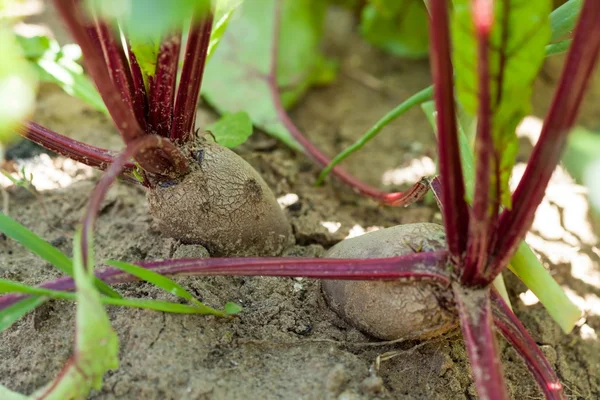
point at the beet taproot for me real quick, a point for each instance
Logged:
(222, 204)
(392, 310)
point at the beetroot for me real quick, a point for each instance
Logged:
(222, 204)
(401, 309)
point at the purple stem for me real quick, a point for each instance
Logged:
(475, 315)
(161, 161)
(481, 223)
(84, 153)
(426, 265)
(414, 194)
(516, 334)
(139, 95)
(162, 88)
(581, 60)
(118, 67)
(71, 13)
(188, 91)
(456, 213)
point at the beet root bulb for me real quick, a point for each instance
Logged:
(392, 310)
(222, 204)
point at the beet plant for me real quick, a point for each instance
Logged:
(190, 179)
(421, 280)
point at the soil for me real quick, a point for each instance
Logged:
(287, 344)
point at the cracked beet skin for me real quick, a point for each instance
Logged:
(222, 204)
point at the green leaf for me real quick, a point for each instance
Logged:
(236, 77)
(563, 19)
(397, 26)
(559, 21)
(232, 129)
(558, 48)
(518, 39)
(164, 283)
(146, 53)
(45, 250)
(148, 19)
(55, 64)
(13, 313)
(223, 13)
(146, 45)
(17, 87)
(232, 308)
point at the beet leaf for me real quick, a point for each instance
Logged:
(576, 75)
(231, 130)
(519, 33)
(398, 27)
(242, 62)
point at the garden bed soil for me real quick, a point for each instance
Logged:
(287, 344)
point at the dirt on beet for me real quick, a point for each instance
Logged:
(287, 344)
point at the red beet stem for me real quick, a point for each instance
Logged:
(481, 222)
(581, 60)
(516, 334)
(84, 153)
(124, 118)
(163, 161)
(188, 91)
(118, 67)
(456, 213)
(162, 88)
(413, 194)
(139, 96)
(475, 315)
(426, 266)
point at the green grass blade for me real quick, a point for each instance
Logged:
(414, 100)
(13, 313)
(172, 287)
(165, 306)
(7, 286)
(35, 244)
(45, 250)
(154, 278)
